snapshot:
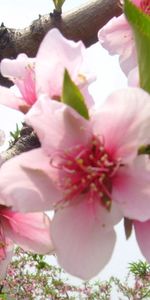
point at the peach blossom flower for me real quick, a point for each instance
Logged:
(44, 73)
(87, 172)
(117, 37)
(142, 232)
(30, 231)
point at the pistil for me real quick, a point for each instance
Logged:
(87, 170)
(145, 6)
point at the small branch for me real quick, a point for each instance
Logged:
(27, 141)
(80, 24)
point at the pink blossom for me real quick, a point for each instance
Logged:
(87, 172)
(142, 232)
(133, 77)
(117, 37)
(30, 231)
(44, 74)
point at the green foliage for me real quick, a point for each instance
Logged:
(144, 150)
(58, 5)
(73, 97)
(140, 268)
(140, 23)
(14, 135)
(3, 297)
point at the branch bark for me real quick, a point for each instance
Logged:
(80, 24)
(28, 140)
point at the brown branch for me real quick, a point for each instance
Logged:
(28, 140)
(80, 24)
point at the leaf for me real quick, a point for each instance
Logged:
(127, 227)
(3, 297)
(144, 149)
(58, 4)
(140, 268)
(73, 97)
(140, 23)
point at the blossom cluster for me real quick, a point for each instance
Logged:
(30, 276)
(90, 170)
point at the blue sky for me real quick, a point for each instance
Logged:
(20, 13)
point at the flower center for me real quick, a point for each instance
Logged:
(88, 170)
(145, 6)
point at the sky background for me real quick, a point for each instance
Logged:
(20, 13)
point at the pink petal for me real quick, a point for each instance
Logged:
(82, 240)
(57, 125)
(131, 189)
(30, 231)
(29, 188)
(54, 55)
(16, 68)
(123, 122)
(9, 99)
(116, 36)
(87, 96)
(21, 72)
(142, 232)
(137, 2)
(133, 77)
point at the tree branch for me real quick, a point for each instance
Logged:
(80, 24)
(28, 140)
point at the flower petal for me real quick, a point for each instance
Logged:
(124, 122)
(117, 37)
(142, 232)
(30, 231)
(54, 55)
(21, 72)
(57, 125)
(16, 68)
(9, 99)
(131, 189)
(133, 77)
(29, 188)
(83, 242)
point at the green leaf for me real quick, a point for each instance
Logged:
(73, 97)
(140, 268)
(3, 297)
(140, 23)
(58, 4)
(144, 149)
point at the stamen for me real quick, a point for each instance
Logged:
(86, 170)
(145, 6)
